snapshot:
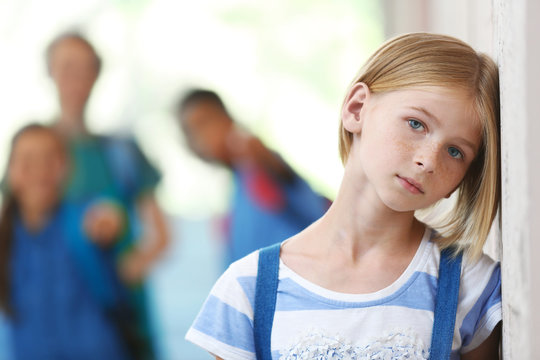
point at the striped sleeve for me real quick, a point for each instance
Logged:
(482, 282)
(224, 325)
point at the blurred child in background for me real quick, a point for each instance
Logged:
(58, 286)
(102, 163)
(270, 201)
(112, 166)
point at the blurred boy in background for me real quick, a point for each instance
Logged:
(270, 201)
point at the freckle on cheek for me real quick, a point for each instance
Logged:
(403, 146)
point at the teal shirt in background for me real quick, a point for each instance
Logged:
(110, 166)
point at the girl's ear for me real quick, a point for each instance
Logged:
(354, 102)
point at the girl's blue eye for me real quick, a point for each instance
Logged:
(415, 124)
(455, 153)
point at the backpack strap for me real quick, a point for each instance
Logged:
(446, 302)
(265, 300)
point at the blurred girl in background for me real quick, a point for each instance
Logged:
(58, 286)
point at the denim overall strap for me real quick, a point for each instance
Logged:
(265, 300)
(446, 302)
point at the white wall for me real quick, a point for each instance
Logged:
(518, 54)
(470, 21)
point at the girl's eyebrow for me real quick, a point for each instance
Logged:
(469, 144)
(427, 113)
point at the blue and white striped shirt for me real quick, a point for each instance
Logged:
(312, 322)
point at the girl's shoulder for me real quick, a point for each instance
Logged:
(241, 268)
(224, 326)
(472, 269)
(472, 266)
(236, 286)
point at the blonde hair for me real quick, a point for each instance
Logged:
(422, 59)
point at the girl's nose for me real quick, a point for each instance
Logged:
(426, 157)
(425, 165)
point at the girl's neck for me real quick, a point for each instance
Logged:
(36, 216)
(359, 222)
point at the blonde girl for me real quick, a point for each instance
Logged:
(369, 280)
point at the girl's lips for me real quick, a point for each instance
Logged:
(411, 185)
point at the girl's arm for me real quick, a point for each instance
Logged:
(489, 349)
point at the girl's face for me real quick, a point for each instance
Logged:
(413, 146)
(36, 170)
